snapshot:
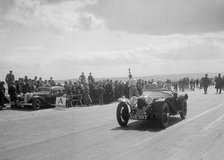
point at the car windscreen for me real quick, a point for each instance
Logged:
(157, 94)
(44, 89)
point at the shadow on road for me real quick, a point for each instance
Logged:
(147, 125)
(25, 108)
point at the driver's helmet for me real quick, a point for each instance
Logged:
(154, 84)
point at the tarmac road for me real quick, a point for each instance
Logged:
(92, 133)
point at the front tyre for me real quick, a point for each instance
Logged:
(36, 104)
(183, 114)
(122, 114)
(164, 116)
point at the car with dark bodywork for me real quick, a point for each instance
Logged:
(45, 96)
(156, 102)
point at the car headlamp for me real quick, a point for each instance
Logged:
(148, 100)
(133, 100)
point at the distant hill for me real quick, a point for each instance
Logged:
(172, 77)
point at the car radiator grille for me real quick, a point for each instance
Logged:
(141, 103)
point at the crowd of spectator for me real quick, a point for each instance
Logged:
(97, 92)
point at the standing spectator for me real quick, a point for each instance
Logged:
(87, 99)
(116, 90)
(68, 88)
(139, 88)
(90, 78)
(101, 94)
(175, 86)
(79, 88)
(18, 87)
(82, 78)
(9, 78)
(108, 92)
(2, 95)
(192, 84)
(126, 90)
(26, 79)
(201, 85)
(222, 81)
(205, 83)
(121, 89)
(12, 93)
(35, 78)
(218, 84)
(93, 92)
(112, 91)
(197, 82)
(40, 81)
(52, 82)
(132, 86)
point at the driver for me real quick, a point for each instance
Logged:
(154, 85)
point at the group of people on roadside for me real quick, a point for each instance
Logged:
(218, 81)
(19, 86)
(99, 92)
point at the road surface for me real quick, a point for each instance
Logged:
(92, 133)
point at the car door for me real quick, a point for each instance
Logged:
(55, 93)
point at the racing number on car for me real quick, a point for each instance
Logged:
(139, 117)
(142, 116)
(61, 101)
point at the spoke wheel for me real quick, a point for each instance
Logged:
(183, 114)
(36, 104)
(122, 114)
(164, 116)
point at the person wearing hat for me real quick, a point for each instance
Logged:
(2, 95)
(218, 84)
(82, 78)
(101, 91)
(205, 83)
(9, 78)
(90, 78)
(13, 96)
(132, 84)
(52, 82)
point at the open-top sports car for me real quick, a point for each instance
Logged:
(156, 102)
(45, 96)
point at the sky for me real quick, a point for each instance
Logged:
(63, 38)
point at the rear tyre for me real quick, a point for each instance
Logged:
(164, 116)
(122, 114)
(183, 114)
(36, 104)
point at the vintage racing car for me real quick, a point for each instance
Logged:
(45, 96)
(156, 102)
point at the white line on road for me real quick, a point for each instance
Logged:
(198, 116)
(180, 124)
(212, 123)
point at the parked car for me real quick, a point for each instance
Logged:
(45, 96)
(156, 102)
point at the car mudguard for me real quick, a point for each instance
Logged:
(159, 103)
(125, 100)
(125, 103)
(38, 97)
(181, 99)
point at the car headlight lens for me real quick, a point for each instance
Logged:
(27, 97)
(148, 100)
(133, 100)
